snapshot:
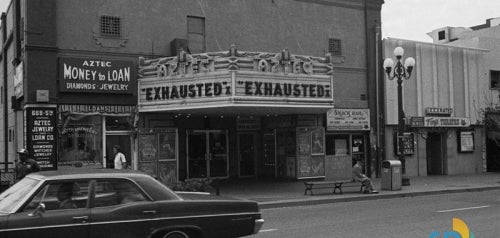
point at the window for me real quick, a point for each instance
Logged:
(441, 35)
(10, 198)
(110, 26)
(337, 145)
(115, 192)
(196, 34)
(80, 143)
(495, 79)
(335, 46)
(117, 123)
(61, 195)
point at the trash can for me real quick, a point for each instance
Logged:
(391, 175)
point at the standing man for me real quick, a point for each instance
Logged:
(120, 160)
(357, 175)
(25, 165)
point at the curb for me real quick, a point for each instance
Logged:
(304, 202)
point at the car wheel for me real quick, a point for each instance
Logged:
(176, 234)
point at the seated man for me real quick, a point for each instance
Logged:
(64, 194)
(358, 176)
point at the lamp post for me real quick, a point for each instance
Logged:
(400, 72)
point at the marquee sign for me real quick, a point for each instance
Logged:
(439, 122)
(91, 75)
(246, 87)
(235, 78)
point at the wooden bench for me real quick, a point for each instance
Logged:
(335, 184)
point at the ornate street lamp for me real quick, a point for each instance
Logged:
(400, 72)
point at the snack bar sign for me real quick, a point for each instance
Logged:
(348, 119)
(91, 75)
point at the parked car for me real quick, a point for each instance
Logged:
(116, 203)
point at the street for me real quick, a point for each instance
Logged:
(401, 217)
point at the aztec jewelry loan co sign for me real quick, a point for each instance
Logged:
(91, 75)
(41, 136)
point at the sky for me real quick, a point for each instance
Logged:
(413, 19)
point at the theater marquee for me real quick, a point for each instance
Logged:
(235, 79)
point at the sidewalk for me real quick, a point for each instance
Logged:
(271, 193)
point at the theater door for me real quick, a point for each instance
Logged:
(246, 154)
(207, 153)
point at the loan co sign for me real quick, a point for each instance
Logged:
(92, 75)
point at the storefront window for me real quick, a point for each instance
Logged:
(337, 145)
(80, 142)
(117, 123)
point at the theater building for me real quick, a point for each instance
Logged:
(442, 103)
(299, 71)
(235, 113)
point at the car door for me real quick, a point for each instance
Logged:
(121, 209)
(54, 220)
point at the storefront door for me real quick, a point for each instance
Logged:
(122, 140)
(435, 158)
(246, 154)
(207, 154)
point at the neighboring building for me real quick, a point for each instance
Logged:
(70, 92)
(485, 36)
(442, 104)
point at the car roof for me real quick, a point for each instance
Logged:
(86, 173)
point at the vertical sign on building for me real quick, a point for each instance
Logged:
(41, 133)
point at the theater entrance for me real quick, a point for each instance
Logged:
(207, 154)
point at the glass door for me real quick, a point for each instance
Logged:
(218, 154)
(197, 154)
(207, 154)
(246, 154)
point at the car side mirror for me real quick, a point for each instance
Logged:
(38, 210)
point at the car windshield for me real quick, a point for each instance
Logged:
(13, 195)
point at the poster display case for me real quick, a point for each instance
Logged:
(310, 152)
(158, 154)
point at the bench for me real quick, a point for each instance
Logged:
(335, 184)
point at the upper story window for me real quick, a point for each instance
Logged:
(335, 46)
(495, 79)
(196, 34)
(441, 35)
(110, 26)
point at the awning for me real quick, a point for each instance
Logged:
(105, 110)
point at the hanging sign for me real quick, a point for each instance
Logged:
(42, 135)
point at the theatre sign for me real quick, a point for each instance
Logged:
(439, 122)
(234, 78)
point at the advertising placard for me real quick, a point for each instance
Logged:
(89, 75)
(41, 136)
(348, 119)
(466, 141)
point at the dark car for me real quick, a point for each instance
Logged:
(116, 203)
